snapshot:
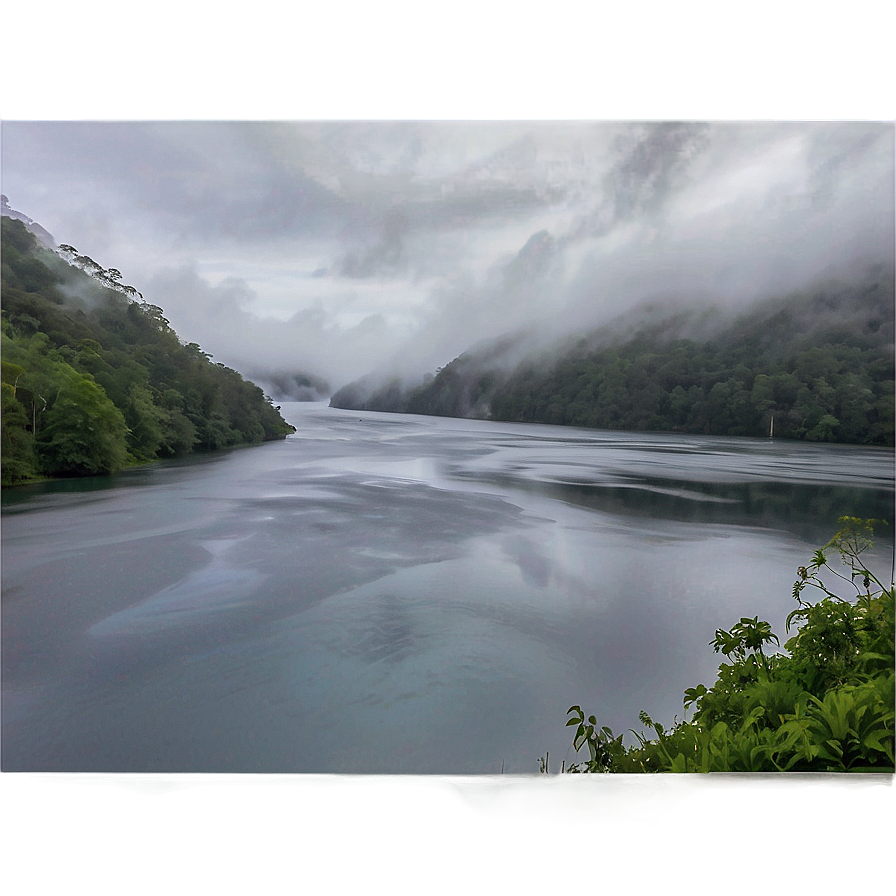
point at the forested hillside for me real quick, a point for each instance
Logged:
(816, 366)
(94, 379)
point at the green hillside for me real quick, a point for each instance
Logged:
(816, 366)
(94, 379)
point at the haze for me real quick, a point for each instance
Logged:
(342, 248)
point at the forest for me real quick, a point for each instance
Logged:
(817, 366)
(94, 379)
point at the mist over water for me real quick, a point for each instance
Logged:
(395, 594)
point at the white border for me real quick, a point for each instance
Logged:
(479, 59)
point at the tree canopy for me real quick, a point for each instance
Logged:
(94, 380)
(817, 366)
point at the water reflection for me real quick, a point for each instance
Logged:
(380, 593)
(810, 511)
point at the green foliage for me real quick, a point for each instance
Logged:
(746, 635)
(94, 380)
(838, 393)
(16, 443)
(83, 432)
(825, 705)
(145, 423)
(817, 367)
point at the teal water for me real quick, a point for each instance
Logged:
(397, 594)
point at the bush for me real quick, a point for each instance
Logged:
(823, 705)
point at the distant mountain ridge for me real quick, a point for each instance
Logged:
(817, 365)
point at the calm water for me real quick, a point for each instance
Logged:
(394, 594)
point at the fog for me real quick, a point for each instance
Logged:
(340, 248)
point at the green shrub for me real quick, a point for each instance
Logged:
(824, 705)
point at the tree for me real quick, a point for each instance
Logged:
(11, 373)
(145, 421)
(83, 433)
(88, 264)
(155, 314)
(824, 430)
(16, 442)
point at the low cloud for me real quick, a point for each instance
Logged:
(340, 248)
(313, 340)
(387, 257)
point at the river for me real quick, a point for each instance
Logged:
(397, 594)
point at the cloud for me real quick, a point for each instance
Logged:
(530, 261)
(387, 256)
(340, 247)
(652, 167)
(313, 340)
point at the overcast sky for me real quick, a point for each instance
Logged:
(340, 248)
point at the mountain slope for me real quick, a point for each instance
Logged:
(815, 366)
(93, 380)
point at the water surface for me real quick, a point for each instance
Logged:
(388, 593)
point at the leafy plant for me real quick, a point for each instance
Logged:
(825, 704)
